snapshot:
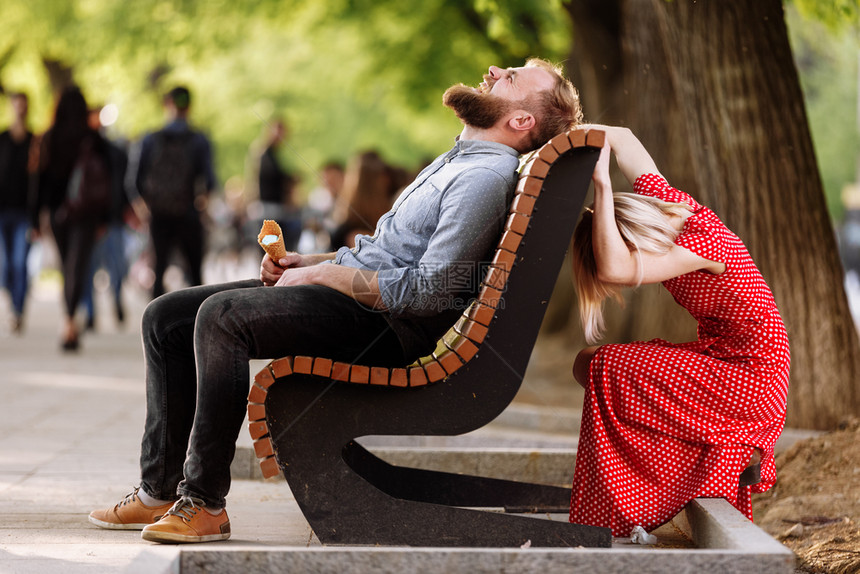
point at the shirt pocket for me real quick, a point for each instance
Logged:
(419, 212)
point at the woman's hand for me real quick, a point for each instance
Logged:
(632, 157)
(601, 169)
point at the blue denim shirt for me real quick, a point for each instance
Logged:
(428, 249)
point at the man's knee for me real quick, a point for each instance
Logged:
(220, 313)
(163, 314)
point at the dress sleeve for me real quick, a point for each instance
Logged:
(703, 235)
(656, 186)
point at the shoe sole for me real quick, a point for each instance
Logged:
(118, 525)
(170, 537)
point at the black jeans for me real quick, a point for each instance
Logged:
(197, 343)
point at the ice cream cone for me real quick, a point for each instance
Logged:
(272, 240)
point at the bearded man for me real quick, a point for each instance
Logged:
(384, 302)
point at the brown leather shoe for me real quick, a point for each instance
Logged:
(129, 514)
(752, 473)
(188, 521)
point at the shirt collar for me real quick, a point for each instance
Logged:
(481, 146)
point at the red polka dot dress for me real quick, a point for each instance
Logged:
(664, 423)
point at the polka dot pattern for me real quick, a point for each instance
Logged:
(664, 423)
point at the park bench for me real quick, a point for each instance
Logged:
(306, 412)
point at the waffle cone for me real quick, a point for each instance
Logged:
(276, 250)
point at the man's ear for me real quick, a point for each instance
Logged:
(521, 121)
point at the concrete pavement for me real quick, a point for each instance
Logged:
(70, 428)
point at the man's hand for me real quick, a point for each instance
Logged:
(271, 272)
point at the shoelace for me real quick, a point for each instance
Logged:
(130, 497)
(186, 507)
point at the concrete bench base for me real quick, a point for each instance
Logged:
(725, 541)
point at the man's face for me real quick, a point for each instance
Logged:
(515, 84)
(501, 92)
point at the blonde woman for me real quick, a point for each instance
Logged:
(664, 423)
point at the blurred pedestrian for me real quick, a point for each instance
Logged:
(14, 207)
(369, 188)
(73, 181)
(317, 222)
(273, 185)
(172, 171)
(109, 250)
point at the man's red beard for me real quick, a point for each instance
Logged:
(474, 108)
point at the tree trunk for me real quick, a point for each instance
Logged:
(720, 75)
(598, 66)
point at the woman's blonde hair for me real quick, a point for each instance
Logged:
(644, 224)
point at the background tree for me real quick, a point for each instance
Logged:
(714, 92)
(710, 86)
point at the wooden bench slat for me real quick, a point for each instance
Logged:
(473, 331)
(265, 378)
(322, 367)
(258, 429)
(282, 367)
(517, 222)
(523, 204)
(449, 361)
(490, 296)
(510, 241)
(263, 447)
(303, 365)
(536, 167)
(378, 376)
(340, 371)
(270, 467)
(561, 143)
(529, 186)
(256, 412)
(577, 138)
(465, 349)
(417, 377)
(504, 259)
(481, 313)
(257, 394)
(434, 371)
(359, 374)
(595, 138)
(548, 153)
(399, 377)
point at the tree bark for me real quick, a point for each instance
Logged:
(600, 65)
(722, 76)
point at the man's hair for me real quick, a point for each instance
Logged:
(180, 97)
(557, 110)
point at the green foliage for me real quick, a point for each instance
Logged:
(838, 15)
(346, 75)
(828, 67)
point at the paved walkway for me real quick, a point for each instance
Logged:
(70, 428)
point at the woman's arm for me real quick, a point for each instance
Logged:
(615, 262)
(632, 157)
